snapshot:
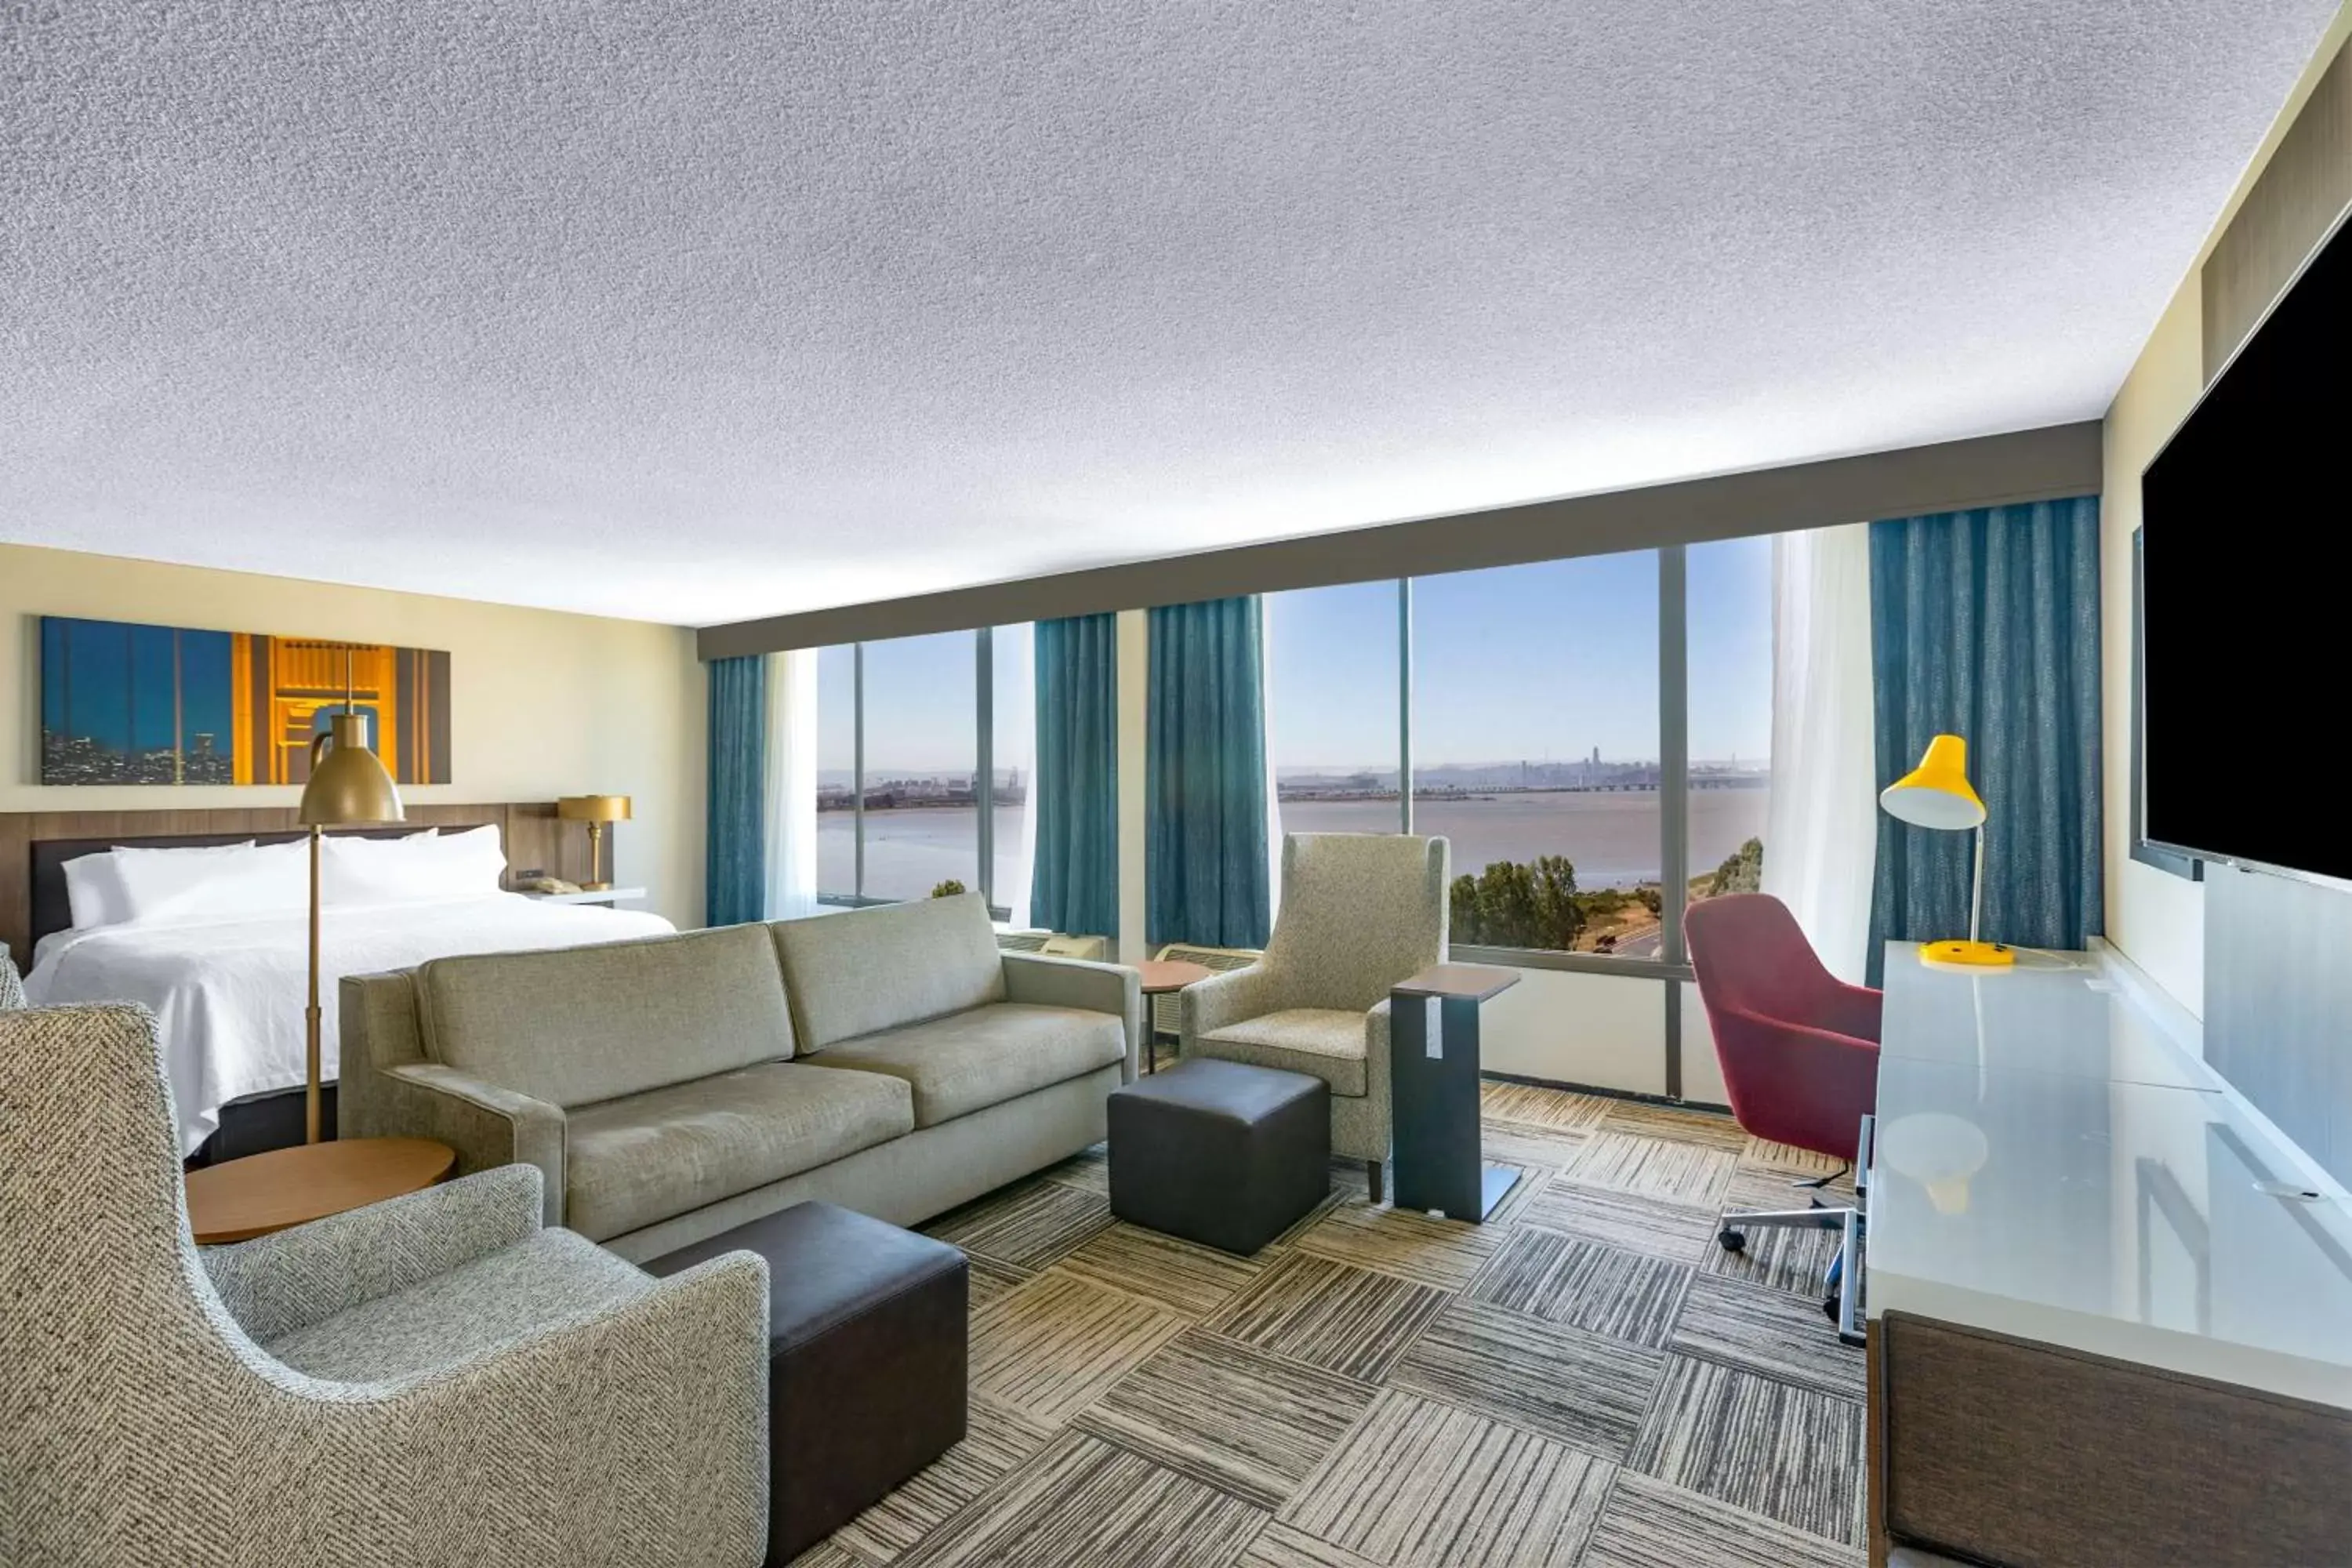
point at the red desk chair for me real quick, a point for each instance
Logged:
(1799, 1046)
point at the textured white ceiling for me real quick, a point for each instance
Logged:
(697, 311)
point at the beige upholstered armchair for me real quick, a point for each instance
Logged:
(435, 1379)
(1361, 912)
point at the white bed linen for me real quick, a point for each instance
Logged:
(228, 994)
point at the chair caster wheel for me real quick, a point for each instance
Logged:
(1830, 1305)
(1731, 1240)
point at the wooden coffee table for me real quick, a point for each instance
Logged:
(1162, 976)
(237, 1200)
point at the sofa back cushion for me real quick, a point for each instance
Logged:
(579, 1025)
(854, 974)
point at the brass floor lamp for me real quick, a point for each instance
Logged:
(239, 1199)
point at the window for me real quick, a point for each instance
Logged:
(909, 799)
(1333, 735)
(922, 763)
(1535, 740)
(1727, 617)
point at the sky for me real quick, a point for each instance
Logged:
(1534, 662)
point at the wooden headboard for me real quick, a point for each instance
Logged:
(35, 845)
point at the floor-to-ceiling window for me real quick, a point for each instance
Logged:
(1536, 751)
(1727, 599)
(1334, 709)
(923, 756)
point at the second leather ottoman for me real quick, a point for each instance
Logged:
(1220, 1153)
(866, 1360)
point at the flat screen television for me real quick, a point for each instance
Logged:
(2246, 595)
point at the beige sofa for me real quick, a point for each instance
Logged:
(891, 1060)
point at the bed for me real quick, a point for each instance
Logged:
(227, 988)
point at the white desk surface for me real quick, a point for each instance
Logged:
(2118, 1215)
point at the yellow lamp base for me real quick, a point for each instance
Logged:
(1976, 954)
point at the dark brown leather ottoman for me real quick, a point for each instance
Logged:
(866, 1356)
(1220, 1153)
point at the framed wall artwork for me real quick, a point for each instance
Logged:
(171, 705)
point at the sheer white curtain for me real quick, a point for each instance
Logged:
(1015, 744)
(1821, 829)
(792, 784)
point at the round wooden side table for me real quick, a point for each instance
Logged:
(237, 1200)
(1163, 977)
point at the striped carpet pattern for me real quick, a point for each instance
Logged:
(1585, 1382)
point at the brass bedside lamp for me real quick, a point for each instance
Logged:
(348, 788)
(595, 810)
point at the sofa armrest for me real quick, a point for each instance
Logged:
(1042, 981)
(275, 1284)
(489, 1124)
(1207, 1005)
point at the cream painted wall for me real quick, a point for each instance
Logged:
(2157, 918)
(542, 704)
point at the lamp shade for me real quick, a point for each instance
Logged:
(1937, 793)
(593, 808)
(348, 784)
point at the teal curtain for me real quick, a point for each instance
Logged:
(1985, 625)
(1204, 786)
(1074, 881)
(735, 853)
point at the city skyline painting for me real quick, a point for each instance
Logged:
(125, 703)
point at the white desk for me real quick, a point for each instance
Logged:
(2053, 1163)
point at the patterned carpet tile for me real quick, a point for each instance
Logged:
(1343, 1319)
(1534, 1148)
(1761, 1330)
(1712, 1128)
(1180, 1277)
(1679, 1172)
(1789, 1453)
(997, 1441)
(991, 1281)
(1246, 1422)
(1568, 1385)
(1025, 1226)
(1418, 1483)
(1672, 1231)
(831, 1553)
(1649, 1524)
(1088, 1171)
(1279, 1546)
(1444, 1254)
(1540, 1107)
(1054, 1346)
(1584, 1285)
(1763, 1154)
(1083, 1504)
(1777, 1257)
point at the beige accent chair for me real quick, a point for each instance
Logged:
(1361, 912)
(433, 1380)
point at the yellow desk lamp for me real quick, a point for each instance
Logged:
(1937, 794)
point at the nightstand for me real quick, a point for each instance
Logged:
(608, 896)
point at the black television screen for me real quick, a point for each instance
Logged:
(2246, 593)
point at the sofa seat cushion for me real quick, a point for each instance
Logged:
(628, 1163)
(969, 1061)
(1319, 1040)
(475, 1308)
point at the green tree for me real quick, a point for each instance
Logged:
(1742, 873)
(947, 890)
(1514, 905)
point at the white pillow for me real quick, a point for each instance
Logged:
(418, 868)
(234, 880)
(95, 895)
